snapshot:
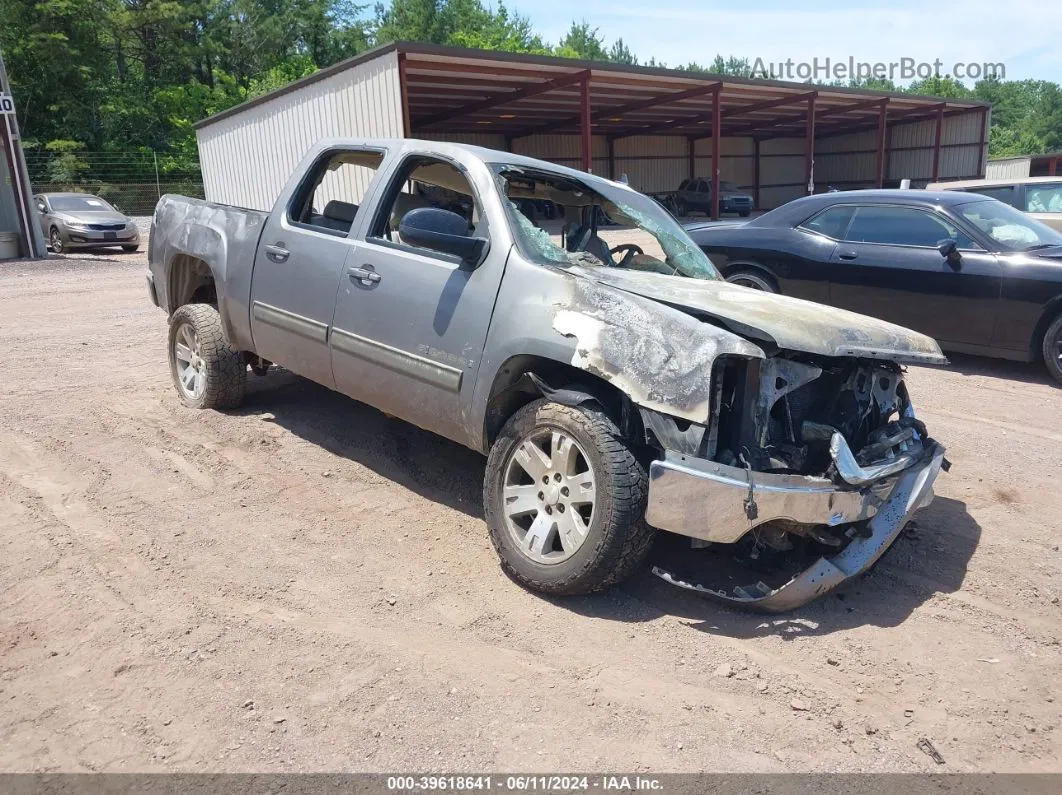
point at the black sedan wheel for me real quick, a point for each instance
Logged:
(754, 280)
(1053, 349)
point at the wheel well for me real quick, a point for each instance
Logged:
(749, 266)
(511, 391)
(1036, 344)
(191, 282)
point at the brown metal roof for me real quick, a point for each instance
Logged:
(462, 90)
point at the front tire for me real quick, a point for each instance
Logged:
(565, 499)
(1052, 349)
(207, 371)
(56, 241)
(754, 279)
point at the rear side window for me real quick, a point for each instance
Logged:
(331, 195)
(832, 222)
(1043, 198)
(903, 226)
(1003, 193)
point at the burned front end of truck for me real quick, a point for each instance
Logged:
(808, 469)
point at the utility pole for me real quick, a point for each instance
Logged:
(32, 242)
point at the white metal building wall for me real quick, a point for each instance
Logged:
(1010, 168)
(246, 158)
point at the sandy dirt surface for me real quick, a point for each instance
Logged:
(305, 584)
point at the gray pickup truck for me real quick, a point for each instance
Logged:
(618, 388)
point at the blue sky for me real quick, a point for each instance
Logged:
(1026, 35)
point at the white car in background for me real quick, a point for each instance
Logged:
(1040, 197)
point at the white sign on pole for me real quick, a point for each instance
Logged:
(7, 104)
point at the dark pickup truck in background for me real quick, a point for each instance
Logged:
(695, 195)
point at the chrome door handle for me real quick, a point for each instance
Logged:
(364, 275)
(277, 252)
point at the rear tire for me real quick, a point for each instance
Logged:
(1052, 349)
(754, 279)
(609, 539)
(130, 249)
(207, 371)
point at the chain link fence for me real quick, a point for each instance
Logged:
(131, 181)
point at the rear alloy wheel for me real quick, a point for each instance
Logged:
(754, 280)
(207, 371)
(565, 500)
(55, 240)
(1052, 349)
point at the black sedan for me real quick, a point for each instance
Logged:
(976, 274)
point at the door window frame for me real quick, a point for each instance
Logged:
(298, 196)
(396, 178)
(933, 213)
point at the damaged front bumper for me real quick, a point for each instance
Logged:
(712, 502)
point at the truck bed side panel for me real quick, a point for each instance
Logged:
(225, 238)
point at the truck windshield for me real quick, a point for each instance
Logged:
(559, 219)
(1012, 229)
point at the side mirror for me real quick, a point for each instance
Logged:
(443, 231)
(949, 250)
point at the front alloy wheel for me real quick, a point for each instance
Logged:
(56, 241)
(548, 496)
(565, 498)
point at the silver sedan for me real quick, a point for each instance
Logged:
(81, 220)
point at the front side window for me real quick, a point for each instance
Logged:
(329, 199)
(612, 227)
(427, 182)
(1043, 198)
(1012, 229)
(903, 226)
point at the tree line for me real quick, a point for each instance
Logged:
(94, 76)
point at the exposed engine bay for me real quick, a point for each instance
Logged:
(817, 445)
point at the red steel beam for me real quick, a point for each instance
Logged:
(756, 170)
(670, 125)
(982, 159)
(936, 143)
(403, 89)
(507, 97)
(586, 128)
(879, 164)
(717, 140)
(809, 147)
(621, 110)
(691, 151)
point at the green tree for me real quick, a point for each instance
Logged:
(583, 42)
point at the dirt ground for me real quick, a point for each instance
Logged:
(307, 585)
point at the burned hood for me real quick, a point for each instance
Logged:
(789, 323)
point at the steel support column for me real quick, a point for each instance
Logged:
(691, 153)
(611, 158)
(585, 128)
(982, 155)
(403, 90)
(756, 173)
(717, 141)
(809, 147)
(936, 143)
(879, 165)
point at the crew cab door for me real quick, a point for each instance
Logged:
(887, 266)
(301, 257)
(410, 323)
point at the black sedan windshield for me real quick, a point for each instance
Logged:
(1012, 229)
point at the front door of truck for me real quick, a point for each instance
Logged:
(301, 257)
(410, 323)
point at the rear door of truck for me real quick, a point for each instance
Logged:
(301, 258)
